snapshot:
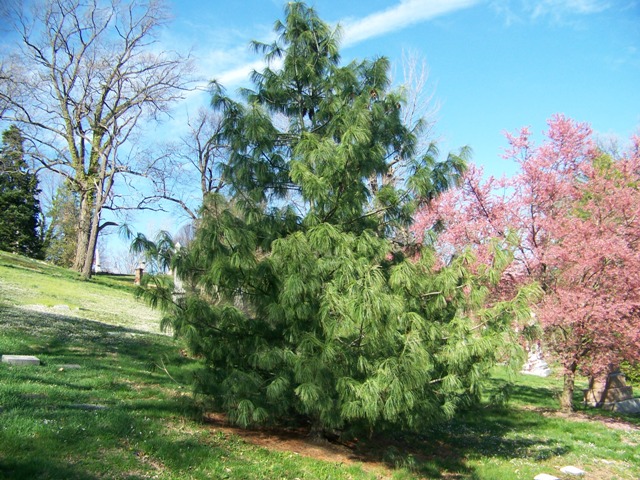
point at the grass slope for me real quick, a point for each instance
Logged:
(127, 411)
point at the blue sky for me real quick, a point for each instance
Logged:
(494, 65)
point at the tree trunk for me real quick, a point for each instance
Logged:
(91, 251)
(84, 231)
(566, 398)
(92, 243)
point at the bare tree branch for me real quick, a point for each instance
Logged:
(197, 159)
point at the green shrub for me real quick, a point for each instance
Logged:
(632, 372)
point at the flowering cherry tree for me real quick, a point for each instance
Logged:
(572, 217)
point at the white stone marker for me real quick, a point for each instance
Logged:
(70, 366)
(545, 476)
(536, 364)
(572, 470)
(20, 360)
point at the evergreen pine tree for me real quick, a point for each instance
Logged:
(19, 204)
(299, 294)
(62, 233)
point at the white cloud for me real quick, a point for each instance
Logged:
(563, 12)
(504, 9)
(240, 74)
(406, 13)
(559, 8)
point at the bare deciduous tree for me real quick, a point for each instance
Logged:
(85, 76)
(421, 108)
(418, 114)
(196, 159)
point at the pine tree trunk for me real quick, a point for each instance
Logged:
(566, 398)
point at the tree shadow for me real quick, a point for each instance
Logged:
(444, 450)
(538, 395)
(55, 419)
(57, 335)
(27, 469)
(85, 348)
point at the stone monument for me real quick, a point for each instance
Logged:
(139, 273)
(606, 391)
(20, 360)
(536, 364)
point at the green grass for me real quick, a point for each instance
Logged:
(128, 411)
(34, 286)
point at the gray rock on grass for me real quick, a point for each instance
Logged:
(20, 360)
(69, 366)
(87, 406)
(627, 406)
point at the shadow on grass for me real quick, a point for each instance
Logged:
(28, 470)
(444, 451)
(54, 334)
(538, 395)
(60, 341)
(96, 421)
(111, 443)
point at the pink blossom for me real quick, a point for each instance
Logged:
(576, 220)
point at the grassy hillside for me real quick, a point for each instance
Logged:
(37, 286)
(112, 400)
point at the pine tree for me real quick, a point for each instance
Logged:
(19, 204)
(62, 232)
(299, 291)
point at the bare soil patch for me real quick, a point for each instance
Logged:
(300, 441)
